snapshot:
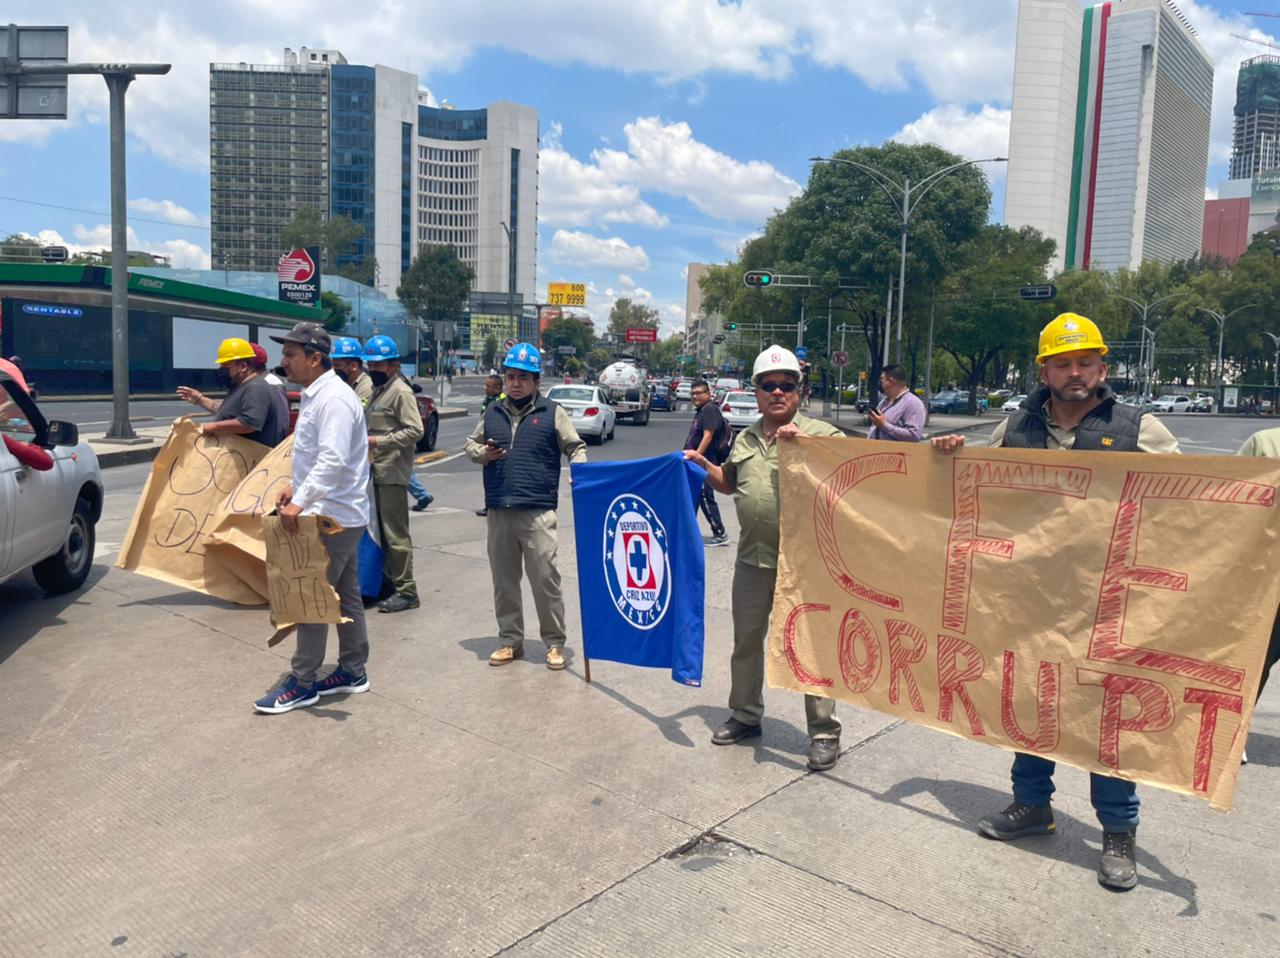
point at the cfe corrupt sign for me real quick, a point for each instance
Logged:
(1108, 611)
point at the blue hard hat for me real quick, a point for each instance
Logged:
(523, 356)
(380, 348)
(347, 347)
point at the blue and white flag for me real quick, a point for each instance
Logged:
(641, 566)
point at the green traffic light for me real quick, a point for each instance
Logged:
(765, 279)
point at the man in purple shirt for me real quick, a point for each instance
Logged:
(900, 415)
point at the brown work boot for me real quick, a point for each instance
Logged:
(506, 654)
(555, 658)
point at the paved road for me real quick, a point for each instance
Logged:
(1197, 434)
(462, 810)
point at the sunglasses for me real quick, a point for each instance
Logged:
(785, 385)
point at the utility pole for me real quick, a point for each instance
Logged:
(1222, 329)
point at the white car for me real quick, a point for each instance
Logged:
(727, 384)
(1169, 403)
(1013, 403)
(592, 415)
(684, 391)
(740, 409)
(47, 515)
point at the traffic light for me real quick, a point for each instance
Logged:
(728, 327)
(758, 277)
(718, 338)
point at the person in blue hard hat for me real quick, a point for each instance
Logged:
(395, 426)
(348, 363)
(520, 440)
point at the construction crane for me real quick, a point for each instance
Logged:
(1261, 43)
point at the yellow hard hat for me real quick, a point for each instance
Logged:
(1068, 333)
(233, 349)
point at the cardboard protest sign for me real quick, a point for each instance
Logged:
(189, 481)
(297, 573)
(1108, 611)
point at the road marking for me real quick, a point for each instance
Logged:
(441, 462)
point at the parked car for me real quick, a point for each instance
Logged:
(50, 495)
(740, 409)
(1171, 403)
(999, 394)
(430, 419)
(592, 415)
(660, 398)
(1202, 402)
(950, 401)
(1014, 403)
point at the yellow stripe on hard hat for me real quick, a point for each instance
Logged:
(1068, 333)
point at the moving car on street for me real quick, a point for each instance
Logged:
(592, 415)
(1013, 403)
(1171, 403)
(50, 495)
(660, 398)
(740, 409)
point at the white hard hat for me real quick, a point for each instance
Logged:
(775, 359)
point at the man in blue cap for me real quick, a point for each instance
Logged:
(520, 441)
(395, 426)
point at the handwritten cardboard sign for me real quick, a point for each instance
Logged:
(297, 572)
(1111, 611)
(190, 479)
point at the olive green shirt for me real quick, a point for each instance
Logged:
(364, 388)
(752, 471)
(1153, 435)
(1264, 443)
(393, 418)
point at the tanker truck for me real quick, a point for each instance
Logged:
(624, 383)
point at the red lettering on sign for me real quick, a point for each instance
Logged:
(1210, 702)
(798, 669)
(968, 478)
(858, 671)
(902, 657)
(1155, 709)
(1048, 699)
(827, 500)
(1106, 644)
(952, 678)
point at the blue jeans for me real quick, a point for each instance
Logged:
(1115, 801)
(416, 488)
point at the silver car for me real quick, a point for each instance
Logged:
(740, 409)
(590, 411)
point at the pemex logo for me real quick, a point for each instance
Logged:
(296, 266)
(637, 565)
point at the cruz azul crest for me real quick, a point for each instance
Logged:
(636, 564)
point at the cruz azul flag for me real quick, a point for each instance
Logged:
(641, 568)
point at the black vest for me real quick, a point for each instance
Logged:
(528, 477)
(1109, 426)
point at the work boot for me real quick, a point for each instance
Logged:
(1018, 821)
(555, 658)
(398, 603)
(1118, 866)
(421, 504)
(482, 512)
(824, 753)
(506, 654)
(734, 731)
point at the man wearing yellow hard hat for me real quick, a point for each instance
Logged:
(251, 407)
(1074, 409)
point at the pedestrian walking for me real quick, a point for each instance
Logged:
(710, 437)
(348, 363)
(521, 440)
(750, 475)
(329, 476)
(492, 393)
(900, 415)
(252, 408)
(1074, 409)
(395, 426)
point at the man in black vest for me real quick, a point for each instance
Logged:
(1074, 409)
(519, 440)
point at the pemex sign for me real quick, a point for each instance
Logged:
(299, 276)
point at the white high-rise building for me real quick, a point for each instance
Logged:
(1109, 137)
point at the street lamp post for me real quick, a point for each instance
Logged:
(511, 298)
(1222, 329)
(906, 199)
(1146, 306)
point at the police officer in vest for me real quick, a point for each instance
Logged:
(395, 426)
(520, 440)
(1074, 409)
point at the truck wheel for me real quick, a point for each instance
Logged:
(67, 569)
(642, 417)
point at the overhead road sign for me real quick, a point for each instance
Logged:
(566, 294)
(1046, 291)
(25, 95)
(642, 335)
(54, 254)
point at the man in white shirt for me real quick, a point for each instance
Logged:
(330, 477)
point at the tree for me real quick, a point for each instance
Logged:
(335, 237)
(489, 358)
(598, 358)
(437, 284)
(664, 357)
(567, 331)
(630, 315)
(339, 311)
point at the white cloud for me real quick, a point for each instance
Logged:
(168, 211)
(582, 249)
(183, 254)
(573, 193)
(973, 134)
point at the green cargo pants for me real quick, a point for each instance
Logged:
(397, 547)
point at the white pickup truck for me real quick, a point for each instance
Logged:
(47, 515)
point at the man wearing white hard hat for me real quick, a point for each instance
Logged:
(750, 475)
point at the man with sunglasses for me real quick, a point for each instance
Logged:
(750, 475)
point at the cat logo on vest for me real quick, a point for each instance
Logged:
(637, 567)
(1108, 441)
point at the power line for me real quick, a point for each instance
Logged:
(77, 209)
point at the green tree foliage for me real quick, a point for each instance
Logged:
(567, 331)
(339, 311)
(335, 237)
(627, 314)
(665, 355)
(598, 358)
(437, 284)
(489, 358)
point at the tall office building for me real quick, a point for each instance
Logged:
(1109, 137)
(367, 142)
(1255, 142)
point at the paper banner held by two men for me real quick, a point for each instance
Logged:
(1109, 611)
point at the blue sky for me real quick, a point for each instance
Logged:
(670, 129)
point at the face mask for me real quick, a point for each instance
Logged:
(224, 377)
(378, 376)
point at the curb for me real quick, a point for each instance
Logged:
(128, 456)
(451, 412)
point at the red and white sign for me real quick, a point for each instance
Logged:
(510, 344)
(642, 335)
(296, 266)
(839, 358)
(298, 276)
